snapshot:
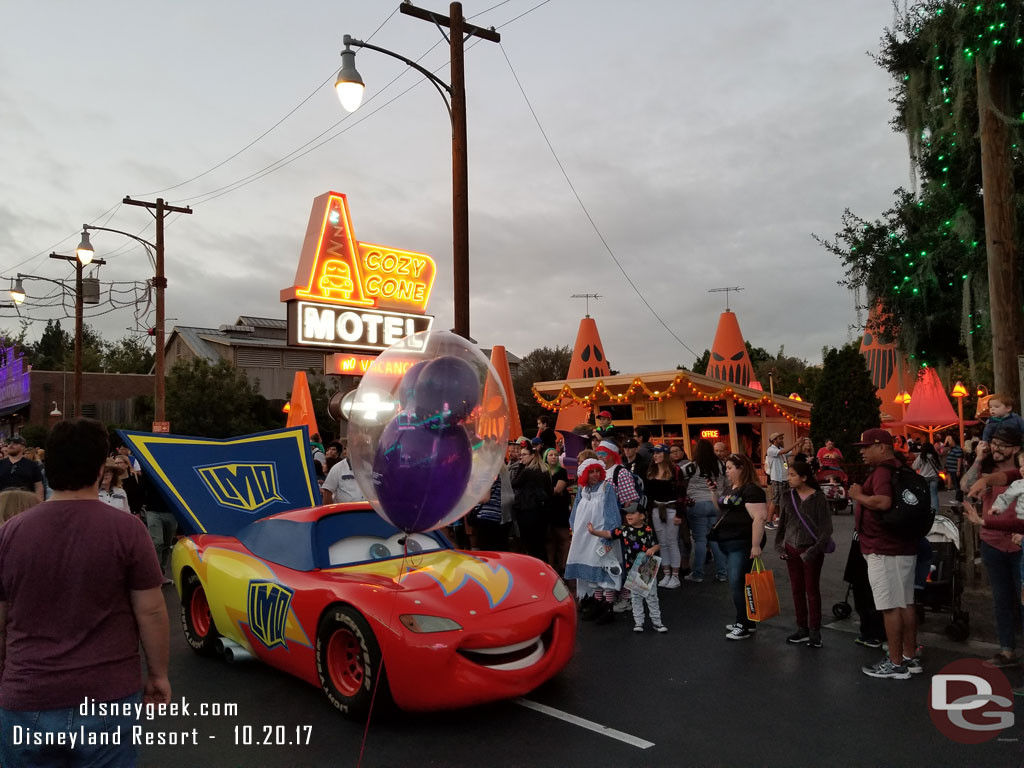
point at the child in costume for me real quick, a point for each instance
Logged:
(637, 537)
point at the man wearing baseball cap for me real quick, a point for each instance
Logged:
(890, 557)
(19, 473)
(777, 470)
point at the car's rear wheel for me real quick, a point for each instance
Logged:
(349, 662)
(196, 621)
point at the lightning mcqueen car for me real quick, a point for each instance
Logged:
(341, 599)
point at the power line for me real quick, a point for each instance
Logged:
(264, 134)
(579, 200)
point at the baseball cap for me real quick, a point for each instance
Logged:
(604, 415)
(21, 440)
(874, 437)
(1008, 435)
(660, 448)
(630, 443)
(774, 435)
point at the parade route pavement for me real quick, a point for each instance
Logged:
(685, 698)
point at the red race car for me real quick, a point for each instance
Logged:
(341, 599)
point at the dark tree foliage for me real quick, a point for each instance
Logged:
(924, 260)
(844, 401)
(215, 401)
(542, 364)
(130, 354)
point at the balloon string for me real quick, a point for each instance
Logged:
(380, 666)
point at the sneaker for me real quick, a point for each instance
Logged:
(168, 581)
(674, 583)
(621, 606)
(1001, 661)
(694, 578)
(800, 636)
(913, 665)
(737, 633)
(737, 625)
(665, 580)
(868, 642)
(660, 628)
(771, 526)
(885, 668)
(721, 578)
(814, 639)
(638, 628)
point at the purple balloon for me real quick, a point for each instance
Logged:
(449, 385)
(420, 473)
(407, 388)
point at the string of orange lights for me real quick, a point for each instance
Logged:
(566, 397)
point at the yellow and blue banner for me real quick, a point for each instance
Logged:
(218, 486)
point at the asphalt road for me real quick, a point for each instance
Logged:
(694, 697)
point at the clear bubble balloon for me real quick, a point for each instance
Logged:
(428, 430)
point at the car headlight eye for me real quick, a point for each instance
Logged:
(415, 622)
(560, 591)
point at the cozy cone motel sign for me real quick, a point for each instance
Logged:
(351, 296)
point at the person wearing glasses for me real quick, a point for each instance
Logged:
(533, 491)
(1000, 553)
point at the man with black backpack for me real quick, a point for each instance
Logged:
(888, 519)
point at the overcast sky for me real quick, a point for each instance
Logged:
(707, 140)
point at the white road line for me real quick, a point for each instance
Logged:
(590, 725)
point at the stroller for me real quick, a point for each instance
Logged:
(944, 585)
(943, 589)
(833, 483)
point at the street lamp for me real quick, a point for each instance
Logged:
(902, 399)
(160, 283)
(960, 392)
(349, 87)
(19, 290)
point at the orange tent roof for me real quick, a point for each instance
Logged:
(588, 362)
(729, 359)
(887, 365)
(929, 405)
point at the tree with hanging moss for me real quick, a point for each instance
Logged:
(943, 262)
(844, 401)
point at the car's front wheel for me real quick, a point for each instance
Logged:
(349, 662)
(196, 621)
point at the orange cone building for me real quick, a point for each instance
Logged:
(301, 411)
(588, 362)
(499, 359)
(729, 360)
(888, 366)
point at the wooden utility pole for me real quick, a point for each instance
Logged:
(159, 209)
(1005, 305)
(76, 380)
(459, 30)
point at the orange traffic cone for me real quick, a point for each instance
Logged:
(301, 411)
(499, 359)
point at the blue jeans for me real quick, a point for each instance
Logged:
(738, 563)
(702, 517)
(933, 489)
(16, 725)
(1004, 576)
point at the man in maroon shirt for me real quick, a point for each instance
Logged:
(890, 558)
(80, 586)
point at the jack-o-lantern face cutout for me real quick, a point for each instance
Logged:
(880, 358)
(588, 358)
(729, 359)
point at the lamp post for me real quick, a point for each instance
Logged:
(901, 399)
(155, 253)
(349, 87)
(960, 392)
